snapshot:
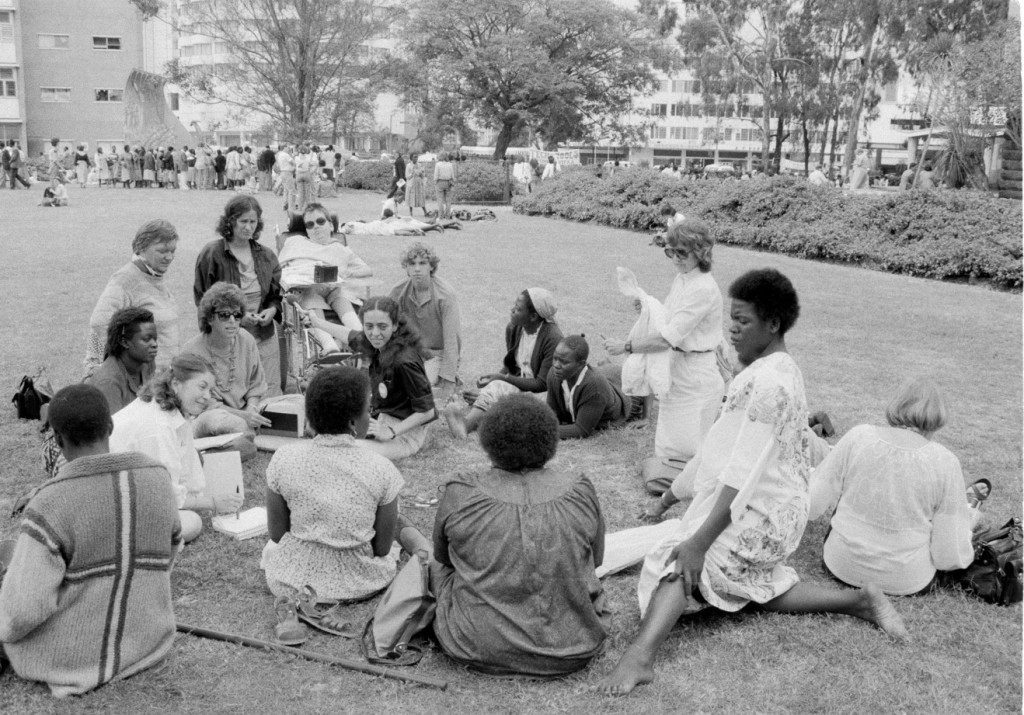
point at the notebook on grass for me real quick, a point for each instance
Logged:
(223, 472)
(245, 525)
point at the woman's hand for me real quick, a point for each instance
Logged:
(380, 431)
(689, 562)
(615, 347)
(249, 320)
(267, 316)
(654, 513)
(485, 380)
(253, 419)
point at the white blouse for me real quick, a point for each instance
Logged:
(693, 313)
(901, 510)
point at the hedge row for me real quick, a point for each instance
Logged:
(935, 234)
(474, 180)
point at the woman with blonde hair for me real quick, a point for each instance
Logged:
(901, 513)
(692, 332)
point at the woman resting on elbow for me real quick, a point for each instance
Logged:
(332, 508)
(750, 504)
(515, 548)
(901, 513)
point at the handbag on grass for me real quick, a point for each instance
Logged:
(995, 574)
(32, 394)
(406, 609)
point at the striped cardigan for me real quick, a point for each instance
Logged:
(87, 596)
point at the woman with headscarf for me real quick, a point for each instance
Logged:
(531, 337)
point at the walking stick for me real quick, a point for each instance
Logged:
(308, 655)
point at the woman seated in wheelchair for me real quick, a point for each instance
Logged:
(313, 239)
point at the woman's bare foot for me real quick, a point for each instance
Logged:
(879, 610)
(633, 669)
(456, 421)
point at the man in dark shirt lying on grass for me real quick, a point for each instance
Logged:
(582, 399)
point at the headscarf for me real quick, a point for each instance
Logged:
(543, 303)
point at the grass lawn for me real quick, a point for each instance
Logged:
(859, 335)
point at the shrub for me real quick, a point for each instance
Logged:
(935, 234)
(474, 180)
(369, 175)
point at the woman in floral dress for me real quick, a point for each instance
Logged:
(751, 498)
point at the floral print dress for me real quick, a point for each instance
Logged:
(758, 447)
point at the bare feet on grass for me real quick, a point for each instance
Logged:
(456, 421)
(878, 609)
(633, 669)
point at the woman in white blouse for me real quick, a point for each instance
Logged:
(901, 513)
(693, 330)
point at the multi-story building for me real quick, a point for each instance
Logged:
(12, 95)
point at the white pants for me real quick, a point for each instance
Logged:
(404, 445)
(686, 414)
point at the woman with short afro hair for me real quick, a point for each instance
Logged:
(516, 547)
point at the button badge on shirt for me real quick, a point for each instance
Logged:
(382, 390)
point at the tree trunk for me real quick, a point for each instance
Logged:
(504, 139)
(824, 142)
(853, 125)
(779, 126)
(835, 139)
(807, 146)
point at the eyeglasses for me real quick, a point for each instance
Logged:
(226, 316)
(676, 252)
(319, 222)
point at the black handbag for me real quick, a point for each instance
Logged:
(32, 394)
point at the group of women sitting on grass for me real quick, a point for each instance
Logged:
(515, 547)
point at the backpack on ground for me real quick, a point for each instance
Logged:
(995, 574)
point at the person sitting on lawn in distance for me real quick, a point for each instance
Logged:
(515, 549)
(56, 194)
(531, 337)
(582, 399)
(332, 507)
(86, 598)
(751, 498)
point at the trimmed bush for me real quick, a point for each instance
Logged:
(934, 234)
(475, 181)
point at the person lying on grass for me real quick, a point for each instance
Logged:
(86, 597)
(582, 399)
(332, 507)
(901, 513)
(531, 337)
(751, 502)
(515, 548)
(159, 424)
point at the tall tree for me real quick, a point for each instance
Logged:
(563, 69)
(290, 60)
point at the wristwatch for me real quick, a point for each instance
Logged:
(629, 346)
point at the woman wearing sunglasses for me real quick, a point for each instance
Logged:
(693, 330)
(313, 241)
(237, 257)
(239, 381)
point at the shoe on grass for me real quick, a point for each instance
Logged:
(288, 630)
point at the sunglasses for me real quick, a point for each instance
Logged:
(319, 222)
(676, 252)
(226, 316)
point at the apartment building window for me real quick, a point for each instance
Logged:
(175, 101)
(109, 95)
(106, 43)
(53, 42)
(659, 110)
(748, 135)
(889, 92)
(55, 94)
(666, 85)
(684, 133)
(686, 110)
(8, 83)
(659, 133)
(686, 86)
(6, 27)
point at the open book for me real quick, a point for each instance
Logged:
(245, 525)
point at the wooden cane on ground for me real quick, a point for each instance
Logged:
(308, 655)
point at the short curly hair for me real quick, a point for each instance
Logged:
(233, 210)
(153, 232)
(694, 236)
(183, 367)
(420, 249)
(519, 432)
(80, 415)
(772, 295)
(336, 397)
(220, 296)
(123, 325)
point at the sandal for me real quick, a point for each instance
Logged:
(288, 630)
(327, 621)
(978, 492)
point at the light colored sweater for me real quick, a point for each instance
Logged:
(87, 597)
(131, 286)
